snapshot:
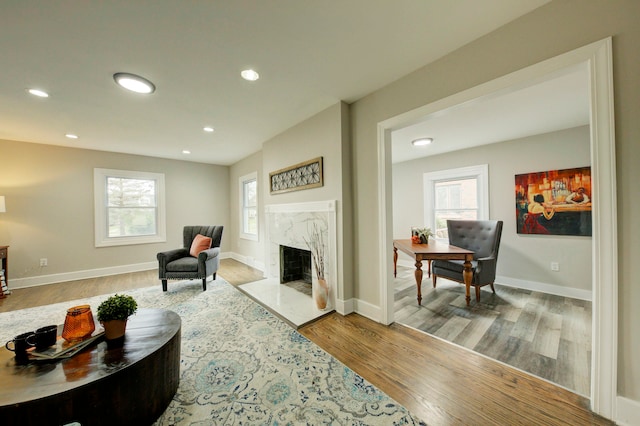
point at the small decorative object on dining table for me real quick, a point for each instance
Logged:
(421, 235)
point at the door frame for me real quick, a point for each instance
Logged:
(598, 58)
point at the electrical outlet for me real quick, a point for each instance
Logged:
(43, 262)
(555, 266)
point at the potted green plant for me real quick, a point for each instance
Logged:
(113, 314)
(421, 235)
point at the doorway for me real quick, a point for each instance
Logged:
(597, 57)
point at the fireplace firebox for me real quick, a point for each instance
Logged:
(295, 265)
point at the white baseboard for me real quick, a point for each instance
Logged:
(80, 275)
(628, 412)
(345, 307)
(574, 293)
(368, 310)
(15, 283)
(248, 260)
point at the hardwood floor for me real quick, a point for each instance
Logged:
(30, 297)
(234, 272)
(546, 335)
(441, 383)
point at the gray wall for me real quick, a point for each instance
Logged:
(326, 135)
(50, 205)
(522, 257)
(551, 30)
(247, 251)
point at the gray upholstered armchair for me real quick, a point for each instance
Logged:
(179, 264)
(483, 238)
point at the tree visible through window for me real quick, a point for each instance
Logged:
(455, 194)
(129, 207)
(456, 199)
(249, 206)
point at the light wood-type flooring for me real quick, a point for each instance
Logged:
(441, 383)
(234, 272)
(546, 335)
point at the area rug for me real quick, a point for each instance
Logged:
(241, 365)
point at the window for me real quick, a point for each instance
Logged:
(249, 206)
(129, 207)
(455, 194)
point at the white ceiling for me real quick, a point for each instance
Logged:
(310, 55)
(559, 102)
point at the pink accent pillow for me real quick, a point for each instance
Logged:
(200, 243)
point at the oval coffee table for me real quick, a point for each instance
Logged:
(128, 385)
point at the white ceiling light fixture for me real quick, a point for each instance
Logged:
(250, 75)
(39, 93)
(208, 129)
(186, 151)
(422, 142)
(135, 83)
(71, 136)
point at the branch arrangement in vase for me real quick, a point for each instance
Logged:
(316, 246)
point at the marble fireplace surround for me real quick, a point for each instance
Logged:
(291, 225)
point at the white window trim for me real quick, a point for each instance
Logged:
(479, 172)
(241, 181)
(102, 238)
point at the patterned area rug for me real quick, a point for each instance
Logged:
(241, 365)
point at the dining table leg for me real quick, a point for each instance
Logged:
(467, 276)
(395, 262)
(418, 275)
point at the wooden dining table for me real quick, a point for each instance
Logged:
(434, 251)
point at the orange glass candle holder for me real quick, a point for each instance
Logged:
(78, 324)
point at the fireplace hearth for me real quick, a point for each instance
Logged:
(290, 265)
(291, 225)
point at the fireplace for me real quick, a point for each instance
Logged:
(289, 229)
(295, 265)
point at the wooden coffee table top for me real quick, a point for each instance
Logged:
(152, 337)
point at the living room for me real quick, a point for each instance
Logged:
(50, 199)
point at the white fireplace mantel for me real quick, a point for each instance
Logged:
(290, 224)
(312, 206)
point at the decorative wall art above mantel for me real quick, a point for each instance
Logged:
(300, 176)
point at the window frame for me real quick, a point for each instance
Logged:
(478, 172)
(101, 215)
(242, 181)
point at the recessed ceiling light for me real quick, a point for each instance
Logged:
(133, 82)
(186, 151)
(71, 136)
(208, 129)
(250, 75)
(38, 92)
(422, 141)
